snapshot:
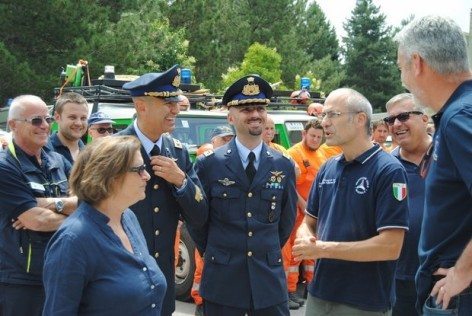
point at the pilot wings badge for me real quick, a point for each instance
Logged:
(226, 182)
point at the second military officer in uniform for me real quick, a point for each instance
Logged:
(251, 192)
(174, 189)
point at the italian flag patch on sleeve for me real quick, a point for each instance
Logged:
(399, 191)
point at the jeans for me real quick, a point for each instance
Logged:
(460, 305)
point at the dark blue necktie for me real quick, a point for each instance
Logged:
(250, 169)
(155, 151)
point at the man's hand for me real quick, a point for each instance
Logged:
(449, 286)
(17, 224)
(167, 169)
(305, 248)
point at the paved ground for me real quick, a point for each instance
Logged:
(187, 309)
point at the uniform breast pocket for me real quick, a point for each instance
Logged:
(226, 203)
(270, 207)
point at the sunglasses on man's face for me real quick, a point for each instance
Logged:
(139, 169)
(37, 121)
(103, 130)
(402, 117)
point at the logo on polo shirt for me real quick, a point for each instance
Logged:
(399, 191)
(362, 185)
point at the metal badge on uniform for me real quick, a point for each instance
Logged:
(169, 155)
(275, 180)
(226, 182)
(37, 186)
(198, 194)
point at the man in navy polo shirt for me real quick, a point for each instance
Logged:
(356, 216)
(432, 57)
(408, 123)
(34, 202)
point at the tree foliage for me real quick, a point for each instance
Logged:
(370, 55)
(259, 60)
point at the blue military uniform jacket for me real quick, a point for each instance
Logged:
(159, 212)
(247, 226)
(21, 182)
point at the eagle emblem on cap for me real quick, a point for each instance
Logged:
(251, 88)
(176, 81)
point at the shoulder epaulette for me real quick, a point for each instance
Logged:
(208, 153)
(287, 156)
(177, 143)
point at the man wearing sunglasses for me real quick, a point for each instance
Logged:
(34, 202)
(70, 113)
(356, 216)
(100, 125)
(174, 190)
(432, 57)
(408, 124)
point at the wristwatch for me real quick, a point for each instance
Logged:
(59, 206)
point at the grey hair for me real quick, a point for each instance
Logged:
(356, 102)
(404, 97)
(19, 104)
(438, 40)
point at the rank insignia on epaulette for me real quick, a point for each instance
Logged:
(177, 143)
(208, 152)
(226, 182)
(198, 194)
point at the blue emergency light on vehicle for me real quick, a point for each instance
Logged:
(305, 83)
(186, 76)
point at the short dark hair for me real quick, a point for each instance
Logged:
(68, 97)
(378, 123)
(315, 123)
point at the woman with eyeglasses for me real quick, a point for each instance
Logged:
(98, 263)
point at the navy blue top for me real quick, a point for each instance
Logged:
(87, 270)
(22, 180)
(353, 201)
(408, 263)
(56, 145)
(448, 210)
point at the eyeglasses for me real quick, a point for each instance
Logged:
(332, 114)
(426, 161)
(139, 169)
(103, 130)
(402, 117)
(38, 120)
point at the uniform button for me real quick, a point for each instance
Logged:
(153, 305)
(156, 186)
(273, 197)
(224, 194)
(249, 194)
(156, 232)
(152, 287)
(249, 253)
(156, 209)
(249, 214)
(212, 258)
(280, 260)
(144, 269)
(249, 234)
(156, 255)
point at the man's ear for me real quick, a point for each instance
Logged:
(140, 105)
(417, 63)
(57, 116)
(12, 125)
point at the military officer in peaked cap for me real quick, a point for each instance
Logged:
(252, 201)
(174, 189)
